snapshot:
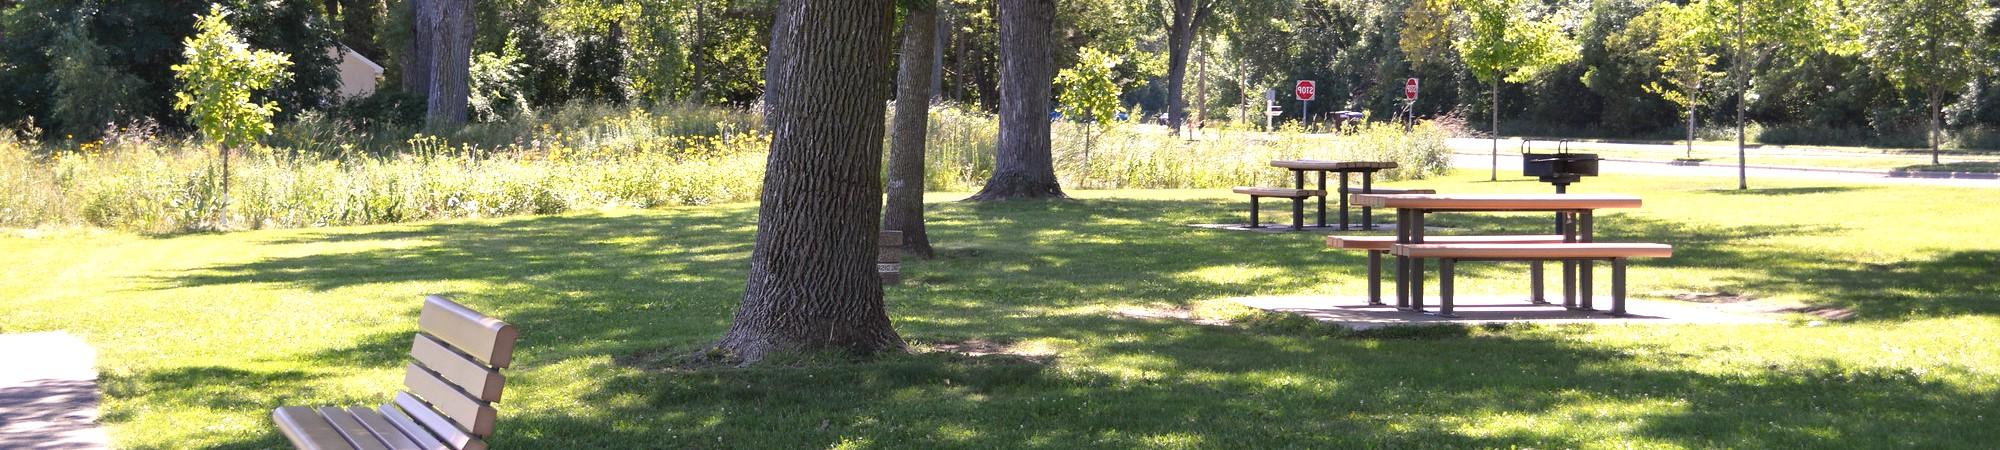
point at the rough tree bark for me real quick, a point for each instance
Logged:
(812, 283)
(1188, 17)
(1024, 166)
(905, 212)
(779, 59)
(416, 56)
(451, 62)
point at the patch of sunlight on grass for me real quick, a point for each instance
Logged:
(1232, 274)
(1173, 440)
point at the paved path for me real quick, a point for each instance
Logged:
(48, 393)
(1353, 313)
(1510, 165)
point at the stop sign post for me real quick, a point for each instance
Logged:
(1305, 90)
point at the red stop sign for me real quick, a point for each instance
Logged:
(1410, 89)
(1305, 90)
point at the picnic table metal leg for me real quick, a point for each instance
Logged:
(1298, 213)
(1446, 267)
(1569, 266)
(1367, 187)
(1586, 269)
(1322, 199)
(1375, 277)
(1402, 262)
(1255, 222)
(1618, 286)
(1343, 200)
(1535, 282)
(1416, 264)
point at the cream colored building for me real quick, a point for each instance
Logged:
(358, 75)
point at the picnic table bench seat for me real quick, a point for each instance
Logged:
(450, 387)
(1449, 254)
(1376, 246)
(1298, 197)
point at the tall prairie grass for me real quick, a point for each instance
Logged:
(322, 172)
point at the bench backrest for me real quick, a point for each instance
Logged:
(454, 376)
(889, 256)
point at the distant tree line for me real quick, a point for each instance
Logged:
(1841, 69)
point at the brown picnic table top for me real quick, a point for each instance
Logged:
(1497, 202)
(1313, 164)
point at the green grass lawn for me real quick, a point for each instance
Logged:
(201, 335)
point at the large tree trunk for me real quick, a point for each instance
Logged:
(451, 56)
(416, 58)
(1025, 166)
(812, 283)
(905, 212)
(1187, 18)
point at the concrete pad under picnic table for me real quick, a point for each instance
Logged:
(1355, 313)
(48, 393)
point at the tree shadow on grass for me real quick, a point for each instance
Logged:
(587, 290)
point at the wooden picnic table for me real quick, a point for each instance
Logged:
(1411, 209)
(1367, 170)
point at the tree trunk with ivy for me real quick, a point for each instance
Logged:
(812, 283)
(1025, 164)
(905, 211)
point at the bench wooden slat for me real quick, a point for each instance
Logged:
(1524, 202)
(438, 426)
(483, 383)
(462, 409)
(356, 434)
(308, 430)
(1387, 191)
(408, 425)
(1535, 251)
(489, 340)
(1278, 192)
(888, 255)
(889, 238)
(382, 429)
(1384, 243)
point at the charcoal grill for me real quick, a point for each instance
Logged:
(1560, 168)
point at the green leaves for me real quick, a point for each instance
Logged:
(1088, 89)
(217, 80)
(1678, 39)
(1924, 43)
(1507, 40)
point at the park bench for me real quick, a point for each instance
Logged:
(1298, 197)
(451, 385)
(1376, 246)
(888, 262)
(1449, 254)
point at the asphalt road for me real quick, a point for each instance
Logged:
(1475, 154)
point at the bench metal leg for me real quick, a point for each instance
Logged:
(1535, 282)
(1446, 268)
(1343, 200)
(1255, 222)
(1298, 213)
(1618, 286)
(1375, 277)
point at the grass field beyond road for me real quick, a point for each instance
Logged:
(200, 335)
